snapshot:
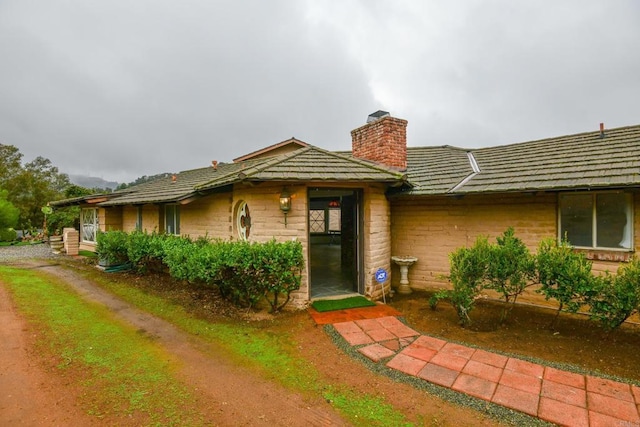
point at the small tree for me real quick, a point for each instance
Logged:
(616, 298)
(564, 274)
(467, 275)
(510, 268)
(8, 213)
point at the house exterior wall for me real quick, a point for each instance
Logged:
(208, 216)
(430, 228)
(376, 239)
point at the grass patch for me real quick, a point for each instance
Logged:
(274, 355)
(121, 374)
(20, 243)
(87, 254)
(342, 304)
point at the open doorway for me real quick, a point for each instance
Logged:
(334, 245)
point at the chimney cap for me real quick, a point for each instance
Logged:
(377, 116)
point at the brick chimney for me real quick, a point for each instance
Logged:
(382, 140)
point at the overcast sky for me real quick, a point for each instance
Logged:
(119, 89)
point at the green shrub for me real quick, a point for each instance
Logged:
(616, 298)
(111, 247)
(145, 251)
(282, 270)
(8, 235)
(467, 275)
(565, 275)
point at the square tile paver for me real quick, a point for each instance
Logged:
(376, 352)
(609, 388)
(406, 364)
(449, 361)
(380, 334)
(458, 350)
(482, 370)
(347, 327)
(612, 406)
(517, 399)
(600, 420)
(419, 352)
(356, 338)
(564, 377)
(524, 367)
(429, 342)
(369, 324)
(521, 381)
(438, 375)
(488, 358)
(391, 344)
(474, 386)
(564, 393)
(562, 413)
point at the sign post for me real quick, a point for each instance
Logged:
(381, 277)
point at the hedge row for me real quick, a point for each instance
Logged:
(565, 275)
(244, 272)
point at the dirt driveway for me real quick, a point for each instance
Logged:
(33, 392)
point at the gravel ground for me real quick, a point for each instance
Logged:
(12, 253)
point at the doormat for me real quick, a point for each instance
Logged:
(342, 304)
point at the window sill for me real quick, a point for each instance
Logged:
(623, 255)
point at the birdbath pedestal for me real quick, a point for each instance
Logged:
(404, 262)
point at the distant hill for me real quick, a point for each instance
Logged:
(92, 182)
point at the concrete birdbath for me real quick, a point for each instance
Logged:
(404, 262)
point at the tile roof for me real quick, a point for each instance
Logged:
(303, 165)
(581, 161)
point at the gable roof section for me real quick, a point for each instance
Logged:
(302, 165)
(283, 147)
(310, 164)
(581, 161)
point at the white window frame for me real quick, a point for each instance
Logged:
(594, 219)
(89, 225)
(174, 227)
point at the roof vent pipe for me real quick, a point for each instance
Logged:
(601, 130)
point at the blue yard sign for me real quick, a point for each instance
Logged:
(381, 275)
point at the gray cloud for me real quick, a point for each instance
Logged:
(122, 89)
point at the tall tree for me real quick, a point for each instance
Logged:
(8, 213)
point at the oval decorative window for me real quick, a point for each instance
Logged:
(244, 220)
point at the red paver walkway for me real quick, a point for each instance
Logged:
(328, 317)
(551, 394)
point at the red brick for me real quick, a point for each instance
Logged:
(438, 375)
(406, 364)
(488, 358)
(516, 399)
(482, 370)
(564, 377)
(562, 413)
(376, 352)
(612, 406)
(524, 367)
(564, 393)
(520, 381)
(609, 388)
(474, 386)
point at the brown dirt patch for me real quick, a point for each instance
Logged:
(228, 394)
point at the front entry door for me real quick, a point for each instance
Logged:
(335, 255)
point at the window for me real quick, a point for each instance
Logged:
(596, 220)
(324, 220)
(89, 224)
(172, 219)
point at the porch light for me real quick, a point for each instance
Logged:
(285, 203)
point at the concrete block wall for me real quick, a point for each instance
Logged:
(209, 216)
(71, 239)
(431, 228)
(376, 240)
